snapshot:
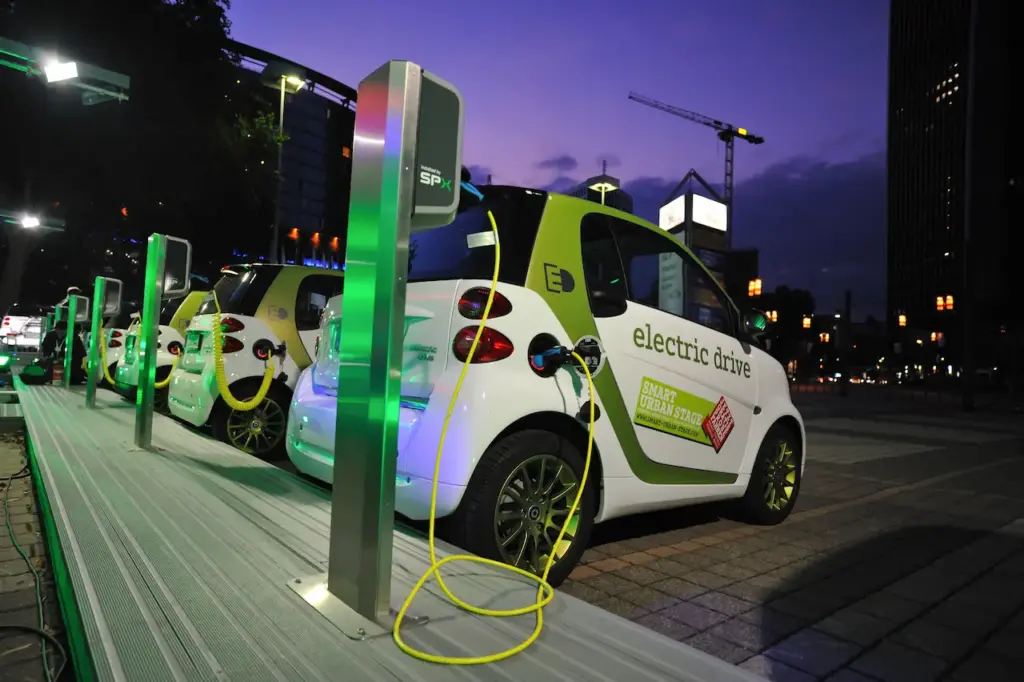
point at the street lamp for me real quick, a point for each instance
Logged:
(288, 79)
(30, 221)
(57, 71)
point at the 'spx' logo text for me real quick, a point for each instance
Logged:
(432, 179)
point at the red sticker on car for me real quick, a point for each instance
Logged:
(718, 424)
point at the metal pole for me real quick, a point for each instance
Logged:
(967, 298)
(156, 255)
(69, 340)
(276, 233)
(846, 329)
(96, 337)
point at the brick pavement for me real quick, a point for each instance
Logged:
(903, 560)
(20, 654)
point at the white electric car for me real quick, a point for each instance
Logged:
(174, 319)
(690, 409)
(269, 314)
(21, 328)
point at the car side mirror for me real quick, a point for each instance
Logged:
(755, 323)
(607, 303)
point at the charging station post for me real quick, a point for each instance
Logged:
(406, 173)
(106, 301)
(168, 265)
(78, 311)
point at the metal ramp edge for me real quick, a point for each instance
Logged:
(173, 566)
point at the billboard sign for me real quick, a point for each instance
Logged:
(710, 213)
(673, 213)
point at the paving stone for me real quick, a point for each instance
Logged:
(749, 592)
(679, 588)
(581, 572)
(583, 591)
(1008, 644)
(935, 639)
(801, 606)
(754, 637)
(891, 662)
(638, 557)
(964, 619)
(694, 615)
(848, 675)
(621, 608)
(641, 575)
(774, 670)
(774, 621)
(732, 571)
(707, 579)
(814, 652)
(719, 648)
(609, 584)
(890, 607)
(857, 626)
(714, 553)
(648, 598)
(669, 566)
(664, 625)
(983, 667)
(608, 564)
(662, 552)
(723, 603)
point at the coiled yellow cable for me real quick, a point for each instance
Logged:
(167, 379)
(218, 367)
(103, 360)
(545, 593)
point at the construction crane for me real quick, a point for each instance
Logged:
(727, 133)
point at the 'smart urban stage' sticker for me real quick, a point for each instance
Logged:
(718, 424)
(670, 410)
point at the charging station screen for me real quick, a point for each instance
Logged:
(439, 147)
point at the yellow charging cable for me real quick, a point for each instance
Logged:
(545, 593)
(167, 379)
(103, 360)
(222, 381)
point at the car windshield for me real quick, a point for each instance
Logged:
(455, 250)
(27, 310)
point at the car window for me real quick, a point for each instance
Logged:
(602, 267)
(240, 290)
(314, 292)
(660, 274)
(457, 250)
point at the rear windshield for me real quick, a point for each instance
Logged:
(241, 290)
(169, 309)
(455, 251)
(124, 318)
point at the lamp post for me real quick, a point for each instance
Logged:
(604, 183)
(287, 79)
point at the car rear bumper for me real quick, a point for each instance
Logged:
(191, 397)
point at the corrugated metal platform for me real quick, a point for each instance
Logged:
(177, 563)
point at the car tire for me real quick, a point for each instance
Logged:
(777, 473)
(475, 526)
(225, 419)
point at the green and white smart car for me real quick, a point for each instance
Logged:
(690, 409)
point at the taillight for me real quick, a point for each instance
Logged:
(7, 322)
(473, 302)
(115, 334)
(231, 345)
(493, 345)
(230, 324)
(114, 344)
(174, 348)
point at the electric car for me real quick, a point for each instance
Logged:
(689, 408)
(21, 328)
(269, 314)
(174, 318)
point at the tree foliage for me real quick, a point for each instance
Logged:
(190, 154)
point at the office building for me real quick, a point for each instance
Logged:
(316, 163)
(954, 169)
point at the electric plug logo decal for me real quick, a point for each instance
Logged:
(558, 280)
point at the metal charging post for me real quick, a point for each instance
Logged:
(47, 326)
(69, 340)
(159, 283)
(95, 339)
(403, 179)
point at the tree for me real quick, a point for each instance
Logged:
(190, 154)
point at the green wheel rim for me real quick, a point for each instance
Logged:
(257, 431)
(780, 477)
(532, 507)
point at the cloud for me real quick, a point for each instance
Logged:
(563, 163)
(479, 174)
(818, 226)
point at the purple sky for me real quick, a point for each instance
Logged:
(548, 80)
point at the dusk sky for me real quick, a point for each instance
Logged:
(546, 84)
